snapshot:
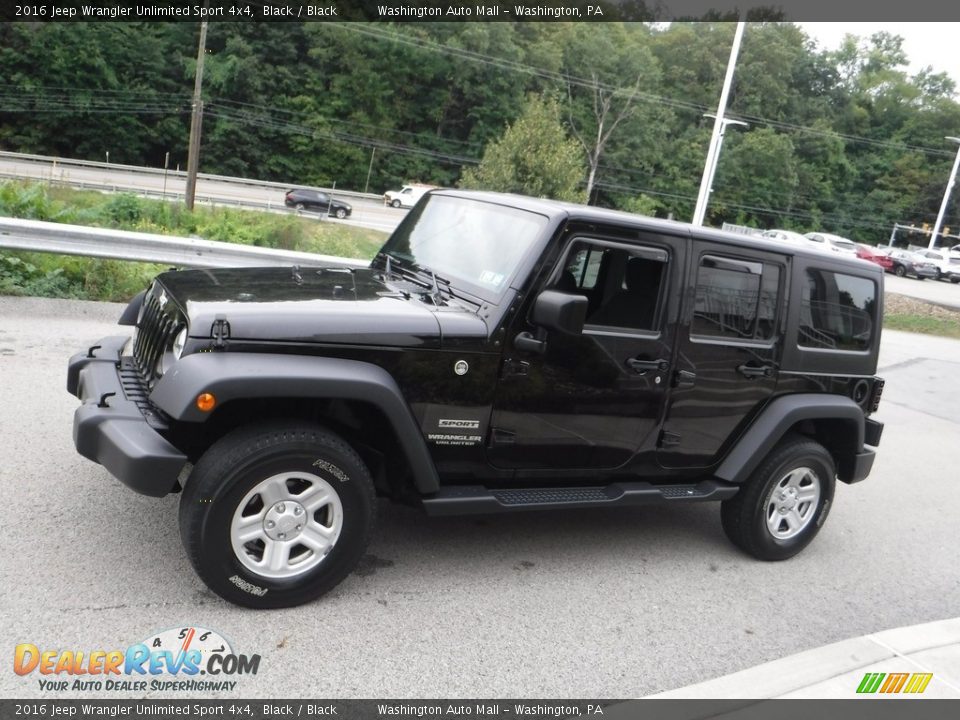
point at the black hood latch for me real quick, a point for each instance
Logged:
(220, 331)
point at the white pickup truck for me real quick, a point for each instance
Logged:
(407, 196)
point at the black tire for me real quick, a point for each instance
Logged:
(395, 204)
(955, 279)
(920, 277)
(341, 213)
(230, 470)
(744, 516)
(899, 271)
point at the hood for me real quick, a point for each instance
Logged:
(313, 305)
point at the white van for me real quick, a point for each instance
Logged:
(407, 196)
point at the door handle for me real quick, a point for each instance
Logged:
(753, 371)
(643, 366)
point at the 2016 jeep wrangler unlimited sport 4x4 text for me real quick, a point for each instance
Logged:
(499, 354)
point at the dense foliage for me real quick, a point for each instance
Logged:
(23, 273)
(844, 141)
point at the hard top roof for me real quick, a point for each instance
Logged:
(559, 211)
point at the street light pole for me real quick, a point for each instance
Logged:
(716, 155)
(716, 138)
(946, 194)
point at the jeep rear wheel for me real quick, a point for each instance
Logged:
(784, 503)
(275, 516)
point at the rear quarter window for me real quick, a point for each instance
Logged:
(838, 311)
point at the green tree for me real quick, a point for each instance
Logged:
(620, 72)
(533, 157)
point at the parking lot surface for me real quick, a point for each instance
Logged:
(601, 604)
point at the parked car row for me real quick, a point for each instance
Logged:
(941, 264)
(825, 242)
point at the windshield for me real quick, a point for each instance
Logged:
(473, 244)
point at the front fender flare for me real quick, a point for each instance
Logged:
(236, 376)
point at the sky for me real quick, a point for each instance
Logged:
(933, 44)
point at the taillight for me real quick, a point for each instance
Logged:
(877, 392)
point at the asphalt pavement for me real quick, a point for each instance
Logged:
(940, 292)
(603, 604)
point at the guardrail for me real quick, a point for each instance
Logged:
(62, 239)
(56, 162)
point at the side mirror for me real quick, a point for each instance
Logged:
(553, 310)
(560, 311)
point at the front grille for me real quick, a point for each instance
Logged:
(135, 390)
(155, 332)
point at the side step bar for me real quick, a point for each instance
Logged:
(475, 499)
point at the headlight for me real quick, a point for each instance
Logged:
(169, 357)
(178, 343)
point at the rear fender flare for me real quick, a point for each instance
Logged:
(775, 421)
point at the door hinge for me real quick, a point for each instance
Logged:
(513, 367)
(668, 439)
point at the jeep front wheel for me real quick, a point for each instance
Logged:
(275, 516)
(784, 503)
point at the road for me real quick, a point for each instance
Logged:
(366, 213)
(940, 292)
(601, 604)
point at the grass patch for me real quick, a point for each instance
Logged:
(49, 275)
(914, 315)
(924, 324)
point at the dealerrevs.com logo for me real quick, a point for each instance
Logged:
(179, 659)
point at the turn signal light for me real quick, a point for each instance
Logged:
(206, 402)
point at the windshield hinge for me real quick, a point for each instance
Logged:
(220, 332)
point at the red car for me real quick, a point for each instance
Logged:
(874, 255)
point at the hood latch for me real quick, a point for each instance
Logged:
(220, 331)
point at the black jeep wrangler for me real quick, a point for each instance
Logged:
(500, 353)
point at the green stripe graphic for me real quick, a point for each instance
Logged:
(870, 682)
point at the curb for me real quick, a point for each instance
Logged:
(809, 673)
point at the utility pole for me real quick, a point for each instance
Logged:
(719, 125)
(196, 121)
(370, 169)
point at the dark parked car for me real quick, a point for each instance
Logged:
(911, 263)
(317, 200)
(499, 354)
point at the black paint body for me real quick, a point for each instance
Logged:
(581, 412)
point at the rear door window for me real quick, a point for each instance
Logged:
(736, 299)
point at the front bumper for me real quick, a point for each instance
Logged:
(110, 427)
